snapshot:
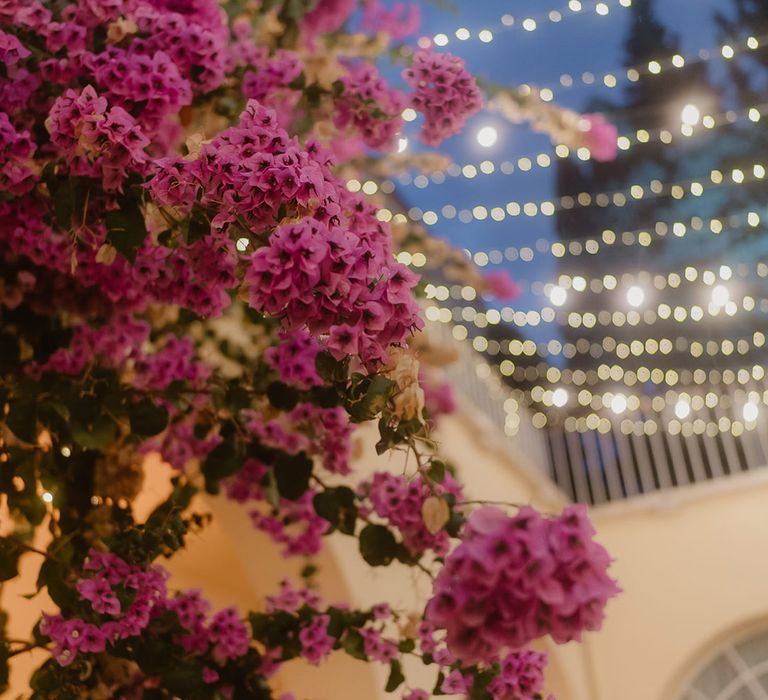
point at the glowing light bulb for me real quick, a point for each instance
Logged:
(559, 397)
(558, 296)
(47, 496)
(635, 296)
(619, 403)
(720, 295)
(487, 136)
(690, 115)
(750, 411)
(682, 409)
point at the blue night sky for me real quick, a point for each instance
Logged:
(581, 42)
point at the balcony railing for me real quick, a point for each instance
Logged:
(626, 460)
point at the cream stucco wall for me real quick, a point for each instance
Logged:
(694, 571)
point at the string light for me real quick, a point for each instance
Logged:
(750, 411)
(543, 160)
(720, 295)
(658, 403)
(557, 292)
(559, 397)
(633, 74)
(690, 115)
(682, 409)
(618, 403)
(558, 295)
(508, 22)
(604, 372)
(635, 296)
(644, 237)
(617, 198)
(605, 317)
(487, 136)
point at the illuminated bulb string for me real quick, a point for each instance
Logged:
(615, 198)
(608, 345)
(591, 245)
(604, 372)
(747, 402)
(649, 426)
(626, 142)
(747, 407)
(508, 22)
(633, 74)
(559, 292)
(597, 347)
(603, 317)
(619, 402)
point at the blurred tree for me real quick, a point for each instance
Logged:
(617, 345)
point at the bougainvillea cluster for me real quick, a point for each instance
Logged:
(400, 501)
(515, 579)
(370, 106)
(224, 635)
(444, 91)
(185, 273)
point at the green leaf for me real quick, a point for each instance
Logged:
(437, 690)
(455, 523)
(282, 396)
(354, 645)
(331, 369)
(95, 435)
(53, 576)
(22, 420)
(199, 226)
(222, 461)
(182, 677)
(337, 506)
(292, 474)
(436, 470)
(406, 646)
(378, 545)
(59, 408)
(126, 230)
(147, 418)
(10, 551)
(4, 667)
(396, 676)
(299, 82)
(369, 398)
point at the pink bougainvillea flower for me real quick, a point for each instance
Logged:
(601, 137)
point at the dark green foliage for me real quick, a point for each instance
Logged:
(337, 506)
(292, 474)
(378, 545)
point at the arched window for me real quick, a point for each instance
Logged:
(739, 671)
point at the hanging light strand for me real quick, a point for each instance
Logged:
(615, 283)
(726, 51)
(543, 160)
(528, 24)
(591, 245)
(602, 317)
(654, 189)
(682, 404)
